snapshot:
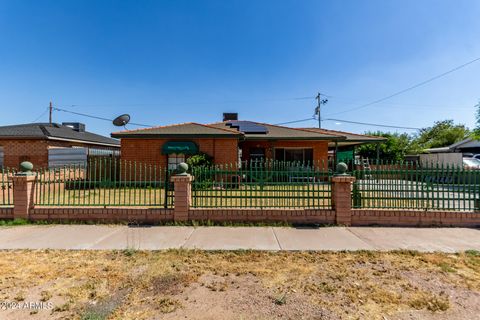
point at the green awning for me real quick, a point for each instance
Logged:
(183, 147)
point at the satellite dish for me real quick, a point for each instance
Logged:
(122, 120)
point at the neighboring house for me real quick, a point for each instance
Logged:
(37, 142)
(466, 146)
(230, 141)
(452, 155)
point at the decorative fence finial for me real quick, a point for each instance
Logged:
(182, 169)
(341, 169)
(26, 168)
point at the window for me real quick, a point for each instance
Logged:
(174, 159)
(304, 155)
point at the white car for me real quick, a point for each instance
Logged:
(471, 163)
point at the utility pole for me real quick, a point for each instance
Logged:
(50, 108)
(318, 108)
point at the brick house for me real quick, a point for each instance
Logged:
(34, 141)
(228, 142)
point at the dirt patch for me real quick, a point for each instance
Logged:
(241, 285)
(243, 297)
(171, 284)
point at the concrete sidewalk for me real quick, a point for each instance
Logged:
(99, 237)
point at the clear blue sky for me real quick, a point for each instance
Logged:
(177, 61)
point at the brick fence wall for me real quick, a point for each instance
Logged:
(263, 215)
(6, 213)
(368, 217)
(341, 212)
(105, 215)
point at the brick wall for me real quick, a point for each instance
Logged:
(416, 218)
(364, 217)
(223, 150)
(6, 213)
(263, 215)
(34, 150)
(150, 215)
(149, 151)
(16, 151)
(131, 215)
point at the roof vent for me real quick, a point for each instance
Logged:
(230, 116)
(76, 126)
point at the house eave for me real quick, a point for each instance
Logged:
(84, 141)
(173, 136)
(295, 138)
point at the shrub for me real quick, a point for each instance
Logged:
(199, 160)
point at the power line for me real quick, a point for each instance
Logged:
(354, 122)
(295, 121)
(98, 118)
(421, 106)
(404, 105)
(41, 115)
(289, 122)
(189, 103)
(409, 88)
(374, 124)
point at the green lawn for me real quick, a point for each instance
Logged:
(312, 196)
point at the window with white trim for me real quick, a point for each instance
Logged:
(175, 159)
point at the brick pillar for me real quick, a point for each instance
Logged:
(23, 195)
(183, 196)
(342, 199)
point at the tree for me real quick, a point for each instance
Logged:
(393, 149)
(441, 134)
(476, 131)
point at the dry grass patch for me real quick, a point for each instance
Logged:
(241, 284)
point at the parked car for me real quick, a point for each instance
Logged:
(471, 163)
